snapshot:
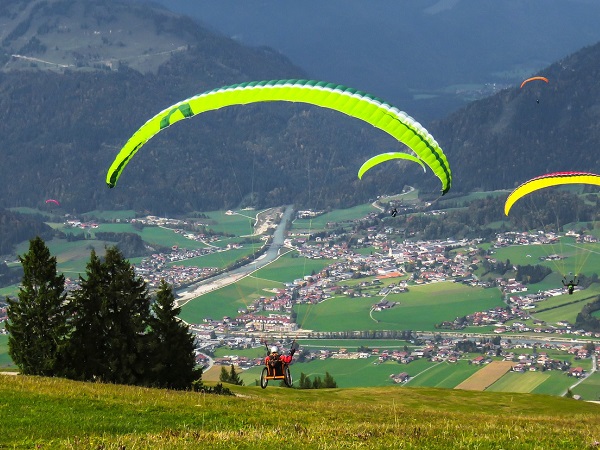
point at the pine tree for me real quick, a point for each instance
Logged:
(224, 376)
(172, 344)
(126, 306)
(37, 321)
(328, 381)
(234, 377)
(88, 340)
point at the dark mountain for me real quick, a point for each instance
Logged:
(430, 57)
(504, 140)
(61, 127)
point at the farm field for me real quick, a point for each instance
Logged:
(353, 344)
(444, 374)
(71, 257)
(227, 300)
(238, 224)
(289, 267)
(220, 259)
(339, 215)
(5, 361)
(419, 309)
(485, 377)
(551, 382)
(580, 258)
(565, 307)
(589, 389)
(347, 372)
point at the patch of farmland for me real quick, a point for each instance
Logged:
(485, 377)
(519, 382)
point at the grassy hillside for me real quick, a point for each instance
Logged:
(43, 413)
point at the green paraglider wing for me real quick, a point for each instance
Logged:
(327, 95)
(378, 159)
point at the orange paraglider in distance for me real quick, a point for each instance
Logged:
(532, 79)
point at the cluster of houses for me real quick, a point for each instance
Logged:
(3, 314)
(161, 266)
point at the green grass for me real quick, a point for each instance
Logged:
(444, 374)
(348, 373)
(226, 301)
(419, 309)
(55, 413)
(220, 259)
(239, 224)
(579, 258)
(339, 215)
(5, 360)
(354, 344)
(565, 307)
(589, 389)
(551, 382)
(287, 268)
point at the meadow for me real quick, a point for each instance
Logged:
(550, 382)
(53, 413)
(421, 309)
(5, 360)
(579, 258)
(227, 300)
(338, 216)
(565, 307)
(290, 267)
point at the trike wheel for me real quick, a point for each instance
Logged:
(263, 378)
(288, 376)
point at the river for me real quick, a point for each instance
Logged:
(270, 255)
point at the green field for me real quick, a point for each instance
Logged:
(40, 412)
(589, 389)
(444, 374)
(220, 259)
(353, 344)
(227, 300)
(337, 216)
(550, 382)
(420, 309)
(239, 224)
(289, 267)
(579, 258)
(565, 307)
(5, 361)
(347, 372)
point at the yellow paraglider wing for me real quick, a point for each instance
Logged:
(378, 159)
(340, 98)
(550, 179)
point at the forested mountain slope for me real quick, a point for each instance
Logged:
(520, 133)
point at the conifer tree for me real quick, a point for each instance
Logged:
(37, 321)
(126, 308)
(328, 381)
(172, 344)
(87, 344)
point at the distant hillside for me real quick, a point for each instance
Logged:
(80, 35)
(430, 57)
(76, 119)
(44, 412)
(504, 140)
